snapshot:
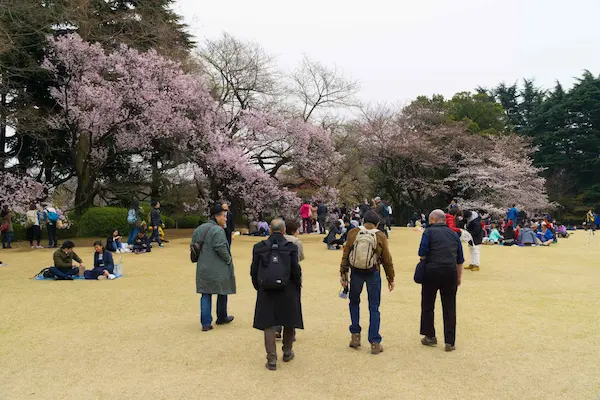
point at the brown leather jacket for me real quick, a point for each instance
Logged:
(382, 250)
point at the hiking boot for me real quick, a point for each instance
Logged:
(288, 355)
(271, 365)
(427, 341)
(355, 341)
(470, 266)
(376, 348)
(475, 268)
(449, 347)
(227, 320)
(207, 328)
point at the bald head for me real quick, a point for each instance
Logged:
(437, 217)
(277, 225)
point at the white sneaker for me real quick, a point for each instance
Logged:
(40, 247)
(33, 247)
(111, 277)
(101, 277)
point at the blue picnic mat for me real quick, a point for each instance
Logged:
(76, 278)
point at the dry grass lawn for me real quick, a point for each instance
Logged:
(528, 328)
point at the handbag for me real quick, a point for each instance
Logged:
(4, 227)
(196, 248)
(420, 271)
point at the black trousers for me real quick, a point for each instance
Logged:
(446, 281)
(52, 239)
(321, 225)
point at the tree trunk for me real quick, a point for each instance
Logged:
(86, 175)
(3, 124)
(156, 178)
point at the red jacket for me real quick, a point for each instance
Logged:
(451, 222)
(305, 210)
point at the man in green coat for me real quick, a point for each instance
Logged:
(214, 269)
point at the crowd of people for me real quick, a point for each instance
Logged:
(361, 232)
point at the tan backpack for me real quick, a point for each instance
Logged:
(363, 254)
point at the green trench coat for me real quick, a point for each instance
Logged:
(214, 269)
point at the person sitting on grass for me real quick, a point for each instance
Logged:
(104, 264)
(333, 243)
(494, 237)
(113, 242)
(529, 238)
(510, 236)
(263, 228)
(67, 263)
(545, 235)
(562, 232)
(141, 243)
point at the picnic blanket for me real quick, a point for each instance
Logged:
(76, 278)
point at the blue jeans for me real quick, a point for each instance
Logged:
(133, 232)
(206, 308)
(7, 238)
(373, 282)
(62, 273)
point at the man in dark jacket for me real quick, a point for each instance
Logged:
(321, 216)
(381, 210)
(331, 240)
(442, 251)
(155, 221)
(230, 224)
(65, 262)
(282, 306)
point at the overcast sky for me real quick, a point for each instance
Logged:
(401, 49)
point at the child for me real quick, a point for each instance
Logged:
(113, 242)
(494, 237)
(141, 244)
(103, 264)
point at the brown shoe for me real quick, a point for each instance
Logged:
(427, 341)
(449, 347)
(355, 341)
(475, 268)
(470, 266)
(376, 348)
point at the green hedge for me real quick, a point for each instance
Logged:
(189, 221)
(101, 221)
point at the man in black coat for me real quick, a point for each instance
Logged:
(322, 216)
(230, 225)
(282, 306)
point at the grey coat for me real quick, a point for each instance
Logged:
(214, 269)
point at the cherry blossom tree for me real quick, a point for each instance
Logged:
(274, 142)
(123, 102)
(417, 155)
(19, 191)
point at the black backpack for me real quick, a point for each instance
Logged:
(275, 265)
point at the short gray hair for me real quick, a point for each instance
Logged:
(437, 216)
(278, 225)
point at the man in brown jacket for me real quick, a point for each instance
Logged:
(369, 276)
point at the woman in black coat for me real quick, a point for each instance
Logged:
(279, 307)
